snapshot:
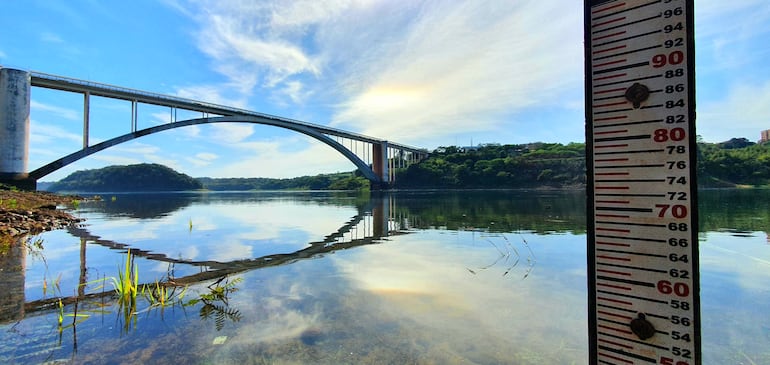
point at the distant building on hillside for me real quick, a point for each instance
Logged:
(764, 136)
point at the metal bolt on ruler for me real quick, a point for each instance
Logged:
(642, 195)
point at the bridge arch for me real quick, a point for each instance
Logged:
(362, 166)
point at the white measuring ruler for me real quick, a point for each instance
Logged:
(642, 194)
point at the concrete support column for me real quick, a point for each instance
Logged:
(380, 161)
(381, 216)
(13, 264)
(15, 88)
(380, 165)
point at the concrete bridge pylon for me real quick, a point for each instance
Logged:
(15, 86)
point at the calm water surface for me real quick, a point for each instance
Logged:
(331, 278)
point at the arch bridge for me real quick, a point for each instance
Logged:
(376, 159)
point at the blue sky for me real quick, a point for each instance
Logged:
(424, 73)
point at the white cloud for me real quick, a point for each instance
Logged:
(135, 148)
(267, 159)
(264, 45)
(303, 13)
(294, 90)
(44, 135)
(113, 159)
(49, 37)
(134, 153)
(210, 94)
(448, 67)
(59, 111)
(160, 118)
(465, 67)
(201, 159)
(206, 156)
(745, 108)
(230, 133)
(388, 67)
(238, 37)
(732, 33)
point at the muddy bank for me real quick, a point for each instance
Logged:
(24, 212)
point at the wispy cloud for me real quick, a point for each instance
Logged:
(58, 111)
(214, 94)
(271, 159)
(48, 142)
(42, 134)
(201, 159)
(731, 68)
(137, 152)
(50, 37)
(745, 108)
(733, 33)
(253, 44)
(447, 67)
(206, 156)
(467, 67)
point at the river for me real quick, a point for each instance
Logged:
(479, 277)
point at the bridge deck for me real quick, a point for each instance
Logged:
(55, 82)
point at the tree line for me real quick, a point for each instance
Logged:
(535, 165)
(155, 177)
(139, 177)
(736, 162)
(498, 166)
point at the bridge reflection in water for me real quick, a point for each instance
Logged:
(374, 221)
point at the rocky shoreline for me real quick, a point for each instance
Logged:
(29, 213)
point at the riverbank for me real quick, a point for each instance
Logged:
(26, 212)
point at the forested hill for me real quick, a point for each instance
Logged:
(140, 177)
(523, 166)
(535, 165)
(494, 166)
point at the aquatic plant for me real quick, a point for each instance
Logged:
(219, 292)
(215, 302)
(161, 295)
(61, 314)
(127, 283)
(54, 286)
(506, 255)
(126, 287)
(77, 318)
(75, 204)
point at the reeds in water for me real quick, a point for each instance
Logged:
(127, 283)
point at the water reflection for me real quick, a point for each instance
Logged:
(12, 273)
(373, 220)
(497, 211)
(481, 277)
(141, 205)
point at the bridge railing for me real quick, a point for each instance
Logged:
(42, 79)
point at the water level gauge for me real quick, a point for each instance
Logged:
(642, 204)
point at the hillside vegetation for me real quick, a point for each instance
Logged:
(139, 177)
(737, 162)
(734, 162)
(337, 181)
(499, 166)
